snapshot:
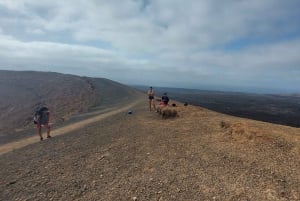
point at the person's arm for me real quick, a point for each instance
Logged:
(48, 117)
(38, 119)
(151, 93)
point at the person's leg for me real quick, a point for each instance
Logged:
(150, 102)
(39, 129)
(48, 131)
(153, 102)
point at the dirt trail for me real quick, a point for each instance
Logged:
(63, 130)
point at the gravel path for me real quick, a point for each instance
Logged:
(63, 130)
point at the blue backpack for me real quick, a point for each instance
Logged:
(40, 114)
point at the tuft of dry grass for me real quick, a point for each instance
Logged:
(167, 112)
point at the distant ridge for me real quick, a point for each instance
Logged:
(281, 109)
(23, 92)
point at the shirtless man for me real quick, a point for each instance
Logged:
(151, 98)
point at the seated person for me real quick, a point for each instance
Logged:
(165, 99)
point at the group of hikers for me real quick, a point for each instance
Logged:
(164, 101)
(42, 116)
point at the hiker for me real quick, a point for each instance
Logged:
(151, 98)
(165, 99)
(42, 118)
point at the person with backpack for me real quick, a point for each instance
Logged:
(42, 118)
(165, 99)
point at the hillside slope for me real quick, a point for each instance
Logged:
(199, 155)
(22, 93)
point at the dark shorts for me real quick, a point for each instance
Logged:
(151, 97)
(43, 125)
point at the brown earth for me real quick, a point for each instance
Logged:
(199, 155)
(24, 92)
(17, 144)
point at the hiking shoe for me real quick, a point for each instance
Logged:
(41, 139)
(48, 136)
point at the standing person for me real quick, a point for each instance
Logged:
(43, 118)
(151, 98)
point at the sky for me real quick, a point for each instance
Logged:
(235, 45)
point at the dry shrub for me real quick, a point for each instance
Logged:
(159, 109)
(168, 113)
(224, 124)
(241, 132)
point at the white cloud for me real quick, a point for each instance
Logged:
(35, 31)
(208, 41)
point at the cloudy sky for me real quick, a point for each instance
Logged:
(238, 45)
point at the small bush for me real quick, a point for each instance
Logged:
(168, 113)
